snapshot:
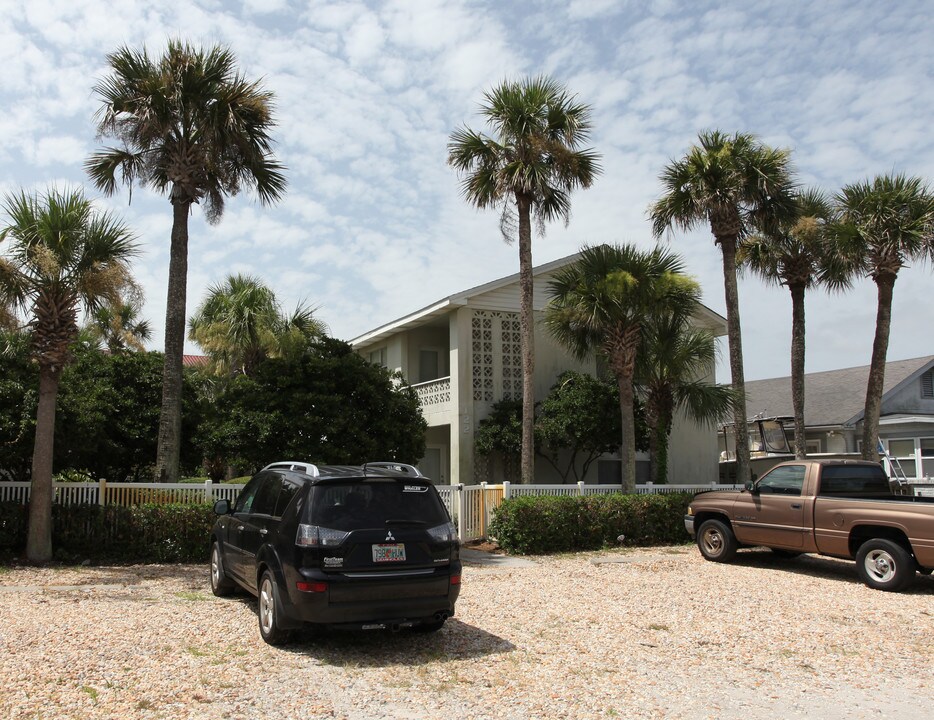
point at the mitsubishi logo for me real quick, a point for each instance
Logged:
(389, 536)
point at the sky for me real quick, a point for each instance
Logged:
(373, 225)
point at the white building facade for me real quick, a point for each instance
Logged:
(463, 354)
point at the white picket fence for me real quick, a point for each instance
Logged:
(104, 493)
(471, 506)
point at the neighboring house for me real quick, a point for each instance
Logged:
(833, 410)
(195, 361)
(462, 354)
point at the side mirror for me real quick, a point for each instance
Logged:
(222, 507)
(750, 486)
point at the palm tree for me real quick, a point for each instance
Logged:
(191, 126)
(240, 323)
(795, 255)
(118, 328)
(673, 357)
(736, 184)
(599, 304)
(528, 170)
(62, 255)
(883, 225)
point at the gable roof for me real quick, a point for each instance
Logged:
(834, 397)
(461, 299)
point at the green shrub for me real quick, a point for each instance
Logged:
(139, 534)
(534, 525)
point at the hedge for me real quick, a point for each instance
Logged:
(112, 533)
(538, 525)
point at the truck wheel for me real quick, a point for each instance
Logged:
(885, 565)
(716, 541)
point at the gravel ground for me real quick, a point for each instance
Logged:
(664, 634)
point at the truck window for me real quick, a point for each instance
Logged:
(785, 480)
(854, 480)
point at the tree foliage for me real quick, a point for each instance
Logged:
(190, 125)
(328, 406)
(528, 170)
(108, 416)
(578, 422)
(735, 184)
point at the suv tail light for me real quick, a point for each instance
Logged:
(315, 536)
(443, 533)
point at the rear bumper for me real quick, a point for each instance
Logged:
(372, 601)
(689, 524)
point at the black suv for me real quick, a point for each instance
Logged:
(366, 547)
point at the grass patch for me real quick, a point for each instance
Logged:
(92, 692)
(192, 596)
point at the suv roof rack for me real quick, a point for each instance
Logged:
(394, 466)
(305, 467)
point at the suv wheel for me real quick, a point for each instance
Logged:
(268, 611)
(221, 585)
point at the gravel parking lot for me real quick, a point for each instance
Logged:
(655, 633)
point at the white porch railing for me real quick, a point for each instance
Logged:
(434, 393)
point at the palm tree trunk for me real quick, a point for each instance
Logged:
(797, 367)
(170, 419)
(527, 332)
(627, 449)
(734, 333)
(885, 284)
(39, 537)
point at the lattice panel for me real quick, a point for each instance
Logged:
(512, 356)
(482, 356)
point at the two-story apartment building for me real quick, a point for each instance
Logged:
(462, 354)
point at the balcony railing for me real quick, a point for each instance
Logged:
(434, 393)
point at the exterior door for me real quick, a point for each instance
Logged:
(432, 465)
(773, 513)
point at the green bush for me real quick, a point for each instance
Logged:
(139, 534)
(535, 525)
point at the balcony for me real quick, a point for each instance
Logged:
(435, 395)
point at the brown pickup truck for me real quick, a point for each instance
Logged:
(841, 508)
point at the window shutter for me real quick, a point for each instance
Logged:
(927, 384)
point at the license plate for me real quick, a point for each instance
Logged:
(394, 552)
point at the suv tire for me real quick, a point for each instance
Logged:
(221, 585)
(268, 611)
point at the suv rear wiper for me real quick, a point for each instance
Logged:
(415, 523)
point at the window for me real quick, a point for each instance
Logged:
(378, 357)
(903, 451)
(927, 384)
(812, 446)
(428, 365)
(927, 457)
(853, 480)
(787, 480)
(245, 498)
(265, 501)
(286, 493)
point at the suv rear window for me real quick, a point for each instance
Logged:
(374, 504)
(854, 480)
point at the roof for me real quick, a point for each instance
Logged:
(834, 397)
(194, 360)
(445, 305)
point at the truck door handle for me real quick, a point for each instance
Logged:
(795, 506)
(263, 531)
(239, 527)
